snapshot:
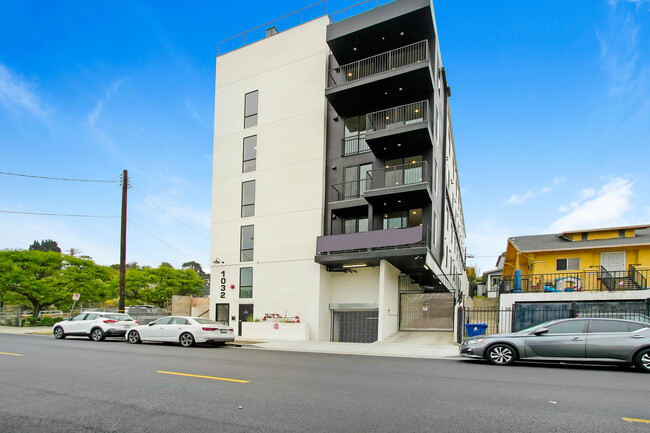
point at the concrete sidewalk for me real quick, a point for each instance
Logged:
(400, 345)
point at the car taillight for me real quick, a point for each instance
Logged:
(136, 321)
(232, 330)
(209, 329)
(110, 321)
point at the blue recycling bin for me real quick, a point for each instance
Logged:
(474, 329)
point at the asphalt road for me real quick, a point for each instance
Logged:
(76, 385)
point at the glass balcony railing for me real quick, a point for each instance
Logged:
(384, 62)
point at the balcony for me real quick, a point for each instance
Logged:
(396, 76)
(412, 182)
(590, 280)
(354, 145)
(399, 130)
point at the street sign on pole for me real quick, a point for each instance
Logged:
(75, 296)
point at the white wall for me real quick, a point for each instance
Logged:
(508, 300)
(289, 71)
(357, 287)
(388, 300)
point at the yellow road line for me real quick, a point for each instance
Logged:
(10, 354)
(645, 421)
(204, 377)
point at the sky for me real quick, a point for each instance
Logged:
(550, 108)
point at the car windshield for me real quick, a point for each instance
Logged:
(119, 316)
(205, 321)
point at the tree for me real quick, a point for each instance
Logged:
(199, 271)
(49, 278)
(158, 285)
(166, 265)
(45, 245)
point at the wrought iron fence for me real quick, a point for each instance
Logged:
(525, 315)
(380, 63)
(397, 117)
(597, 279)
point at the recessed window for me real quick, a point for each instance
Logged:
(621, 233)
(402, 219)
(248, 198)
(355, 225)
(250, 154)
(572, 264)
(247, 243)
(585, 236)
(250, 109)
(246, 282)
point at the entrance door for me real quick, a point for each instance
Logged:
(222, 314)
(245, 312)
(427, 312)
(613, 261)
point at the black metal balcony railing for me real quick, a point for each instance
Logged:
(396, 117)
(405, 174)
(348, 190)
(354, 145)
(380, 63)
(598, 279)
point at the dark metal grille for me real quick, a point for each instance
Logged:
(355, 326)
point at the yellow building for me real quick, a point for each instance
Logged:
(606, 259)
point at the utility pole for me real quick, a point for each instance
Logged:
(125, 187)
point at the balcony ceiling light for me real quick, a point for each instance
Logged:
(401, 33)
(387, 117)
(361, 265)
(400, 89)
(349, 74)
(417, 110)
(354, 48)
(426, 267)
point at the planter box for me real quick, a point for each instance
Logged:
(275, 331)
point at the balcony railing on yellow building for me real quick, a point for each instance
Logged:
(594, 279)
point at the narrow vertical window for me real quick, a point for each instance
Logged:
(435, 229)
(250, 109)
(250, 154)
(248, 198)
(246, 282)
(435, 179)
(246, 243)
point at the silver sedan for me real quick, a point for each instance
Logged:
(598, 340)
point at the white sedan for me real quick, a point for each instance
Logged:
(184, 330)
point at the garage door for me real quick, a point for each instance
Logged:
(427, 312)
(355, 326)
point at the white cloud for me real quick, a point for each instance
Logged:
(605, 208)
(518, 199)
(93, 116)
(17, 96)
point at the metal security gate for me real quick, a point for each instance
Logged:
(355, 326)
(426, 312)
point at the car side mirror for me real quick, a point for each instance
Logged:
(151, 323)
(541, 331)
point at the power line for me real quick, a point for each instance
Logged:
(163, 242)
(59, 178)
(159, 207)
(59, 214)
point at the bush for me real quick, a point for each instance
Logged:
(50, 321)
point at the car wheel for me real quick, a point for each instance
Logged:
(134, 337)
(58, 333)
(642, 360)
(501, 354)
(187, 339)
(97, 334)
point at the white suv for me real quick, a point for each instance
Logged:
(96, 325)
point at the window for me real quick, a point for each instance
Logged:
(568, 264)
(247, 242)
(435, 180)
(164, 321)
(355, 133)
(402, 219)
(355, 180)
(584, 236)
(79, 317)
(248, 198)
(355, 225)
(250, 154)
(179, 321)
(246, 282)
(621, 233)
(607, 326)
(435, 230)
(570, 327)
(250, 109)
